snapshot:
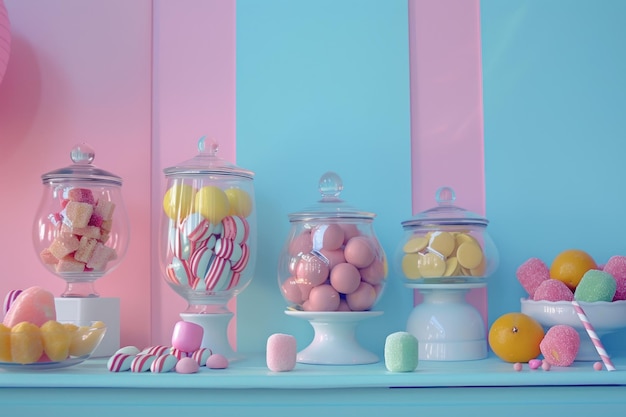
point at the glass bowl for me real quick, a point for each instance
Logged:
(51, 346)
(332, 259)
(81, 230)
(605, 317)
(446, 245)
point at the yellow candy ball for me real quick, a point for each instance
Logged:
(240, 202)
(26, 343)
(56, 340)
(178, 201)
(212, 203)
(5, 343)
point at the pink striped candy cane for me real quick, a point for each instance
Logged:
(594, 337)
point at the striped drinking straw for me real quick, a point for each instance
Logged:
(594, 337)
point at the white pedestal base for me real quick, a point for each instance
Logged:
(446, 326)
(87, 310)
(215, 332)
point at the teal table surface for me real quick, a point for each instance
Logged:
(482, 387)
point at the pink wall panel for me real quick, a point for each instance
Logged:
(194, 95)
(79, 71)
(446, 106)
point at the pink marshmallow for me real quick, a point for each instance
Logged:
(187, 336)
(560, 345)
(281, 352)
(63, 245)
(532, 273)
(78, 214)
(81, 195)
(217, 361)
(553, 290)
(616, 266)
(34, 305)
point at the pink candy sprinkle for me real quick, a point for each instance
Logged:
(597, 366)
(545, 366)
(534, 363)
(517, 366)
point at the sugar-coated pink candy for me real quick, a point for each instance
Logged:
(359, 251)
(616, 266)
(281, 352)
(187, 336)
(560, 345)
(345, 278)
(187, 366)
(323, 298)
(532, 273)
(217, 361)
(312, 269)
(34, 305)
(553, 290)
(10, 299)
(363, 298)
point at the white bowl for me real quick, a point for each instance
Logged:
(605, 317)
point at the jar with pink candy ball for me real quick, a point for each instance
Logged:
(208, 230)
(332, 260)
(81, 231)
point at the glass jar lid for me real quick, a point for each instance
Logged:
(82, 169)
(330, 205)
(445, 213)
(207, 163)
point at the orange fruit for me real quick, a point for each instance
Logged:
(515, 337)
(570, 265)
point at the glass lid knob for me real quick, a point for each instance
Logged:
(82, 154)
(209, 146)
(445, 196)
(330, 186)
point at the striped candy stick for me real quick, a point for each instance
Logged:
(594, 337)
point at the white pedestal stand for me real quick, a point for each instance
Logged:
(334, 341)
(215, 327)
(446, 326)
(87, 310)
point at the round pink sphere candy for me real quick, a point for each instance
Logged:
(187, 365)
(616, 266)
(560, 345)
(359, 251)
(363, 298)
(345, 278)
(374, 273)
(217, 361)
(301, 244)
(334, 257)
(349, 231)
(291, 291)
(187, 336)
(553, 290)
(312, 269)
(323, 298)
(329, 237)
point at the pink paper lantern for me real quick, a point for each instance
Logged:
(5, 39)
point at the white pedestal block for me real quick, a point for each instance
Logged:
(87, 310)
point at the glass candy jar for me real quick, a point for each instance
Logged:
(208, 230)
(446, 245)
(81, 231)
(332, 260)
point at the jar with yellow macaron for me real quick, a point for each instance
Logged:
(446, 245)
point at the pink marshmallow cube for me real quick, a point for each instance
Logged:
(101, 255)
(69, 264)
(85, 249)
(81, 195)
(187, 336)
(104, 209)
(63, 245)
(281, 352)
(47, 257)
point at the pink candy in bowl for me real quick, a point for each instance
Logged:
(332, 260)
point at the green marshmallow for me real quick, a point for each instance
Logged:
(595, 286)
(401, 352)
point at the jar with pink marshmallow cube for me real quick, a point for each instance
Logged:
(81, 228)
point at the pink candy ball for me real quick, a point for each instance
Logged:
(329, 237)
(311, 269)
(531, 274)
(374, 273)
(217, 361)
(323, 298)
(334, 257)
(187, 365)
(301, 244)
(553, 290)
(291, 290)
(363, 298)
(560, 345)
(345, 278)
(359, 251)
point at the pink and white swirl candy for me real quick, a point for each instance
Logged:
(120, 362)
(163, 363)
(10, 299)
(141, 363)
